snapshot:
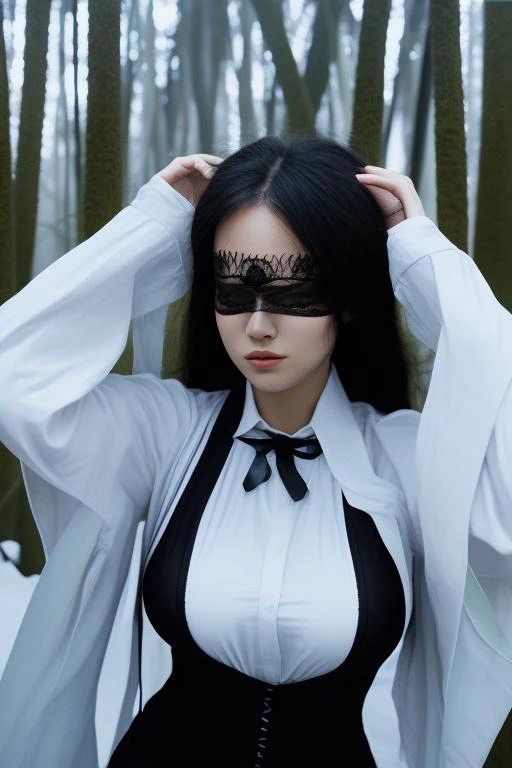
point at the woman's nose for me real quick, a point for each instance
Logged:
(260, 325)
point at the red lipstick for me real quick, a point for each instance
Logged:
(263, 359)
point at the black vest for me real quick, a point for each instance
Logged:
(208, 712)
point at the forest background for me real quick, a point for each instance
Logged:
(98, 95)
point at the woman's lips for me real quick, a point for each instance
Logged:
(264, 362)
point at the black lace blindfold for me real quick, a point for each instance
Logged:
(286, 284)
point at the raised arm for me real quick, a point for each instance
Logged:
(463, 450)
(93, 434)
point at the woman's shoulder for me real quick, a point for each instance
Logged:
(165, 405)
(172, 389)
(202, 403)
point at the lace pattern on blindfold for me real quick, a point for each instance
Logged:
(286, 284)
(256, 270)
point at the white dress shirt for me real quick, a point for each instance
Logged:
(105, 457)
(271, 588)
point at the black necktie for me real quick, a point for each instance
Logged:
(286, 448)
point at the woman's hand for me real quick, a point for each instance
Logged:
(190, 175)
(394, 193)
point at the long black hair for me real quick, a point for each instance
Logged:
(309, 181)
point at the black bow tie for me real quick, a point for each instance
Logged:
(286, 448)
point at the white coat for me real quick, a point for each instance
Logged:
(104, 458)
(15, 593)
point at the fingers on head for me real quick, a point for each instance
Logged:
(195, 163)
(206, 163)
(210, 162)
(212, 159)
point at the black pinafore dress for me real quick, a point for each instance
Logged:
(210, 713)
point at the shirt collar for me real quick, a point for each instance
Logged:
(338, 432)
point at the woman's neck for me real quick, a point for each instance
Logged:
(293, 408)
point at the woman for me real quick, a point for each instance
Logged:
(293, 628)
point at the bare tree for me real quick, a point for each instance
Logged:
(413, 59)
(300, 114)
(451, 162)
(7, 254)
(175, 86)
(270, 108)
(103, 171)
(10, 478)
(323, 49)
(493, 220)
(76, 123)
(103, 183)
(127, 79)
(209, 34)
(244, 73)
(149, 102)
(28, 161)
(26, 187)
(181, 105)
(420, 117)
(62, 129)
(366, 133)
(346, 31)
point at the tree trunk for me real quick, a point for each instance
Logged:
(76, 126)
(24, 210)
(400, 115)
(270, 109)
(183, 50)
(149, 97)
(323, 50)
(62, 195)
(451, 161)
(126, 97)
(160, 130)
(103, 182)
(10, 477)
(366, 133)
(300, 114)
(248, 128)
(7, 254)
(172, 92)
(419, 133)
(103, 172)
(208, 41)
(344, 73)
(28, 160)
(493, 220)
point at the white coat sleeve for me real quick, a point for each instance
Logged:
(443, 293)
(84, 431)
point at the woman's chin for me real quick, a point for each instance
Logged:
(271, 381)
